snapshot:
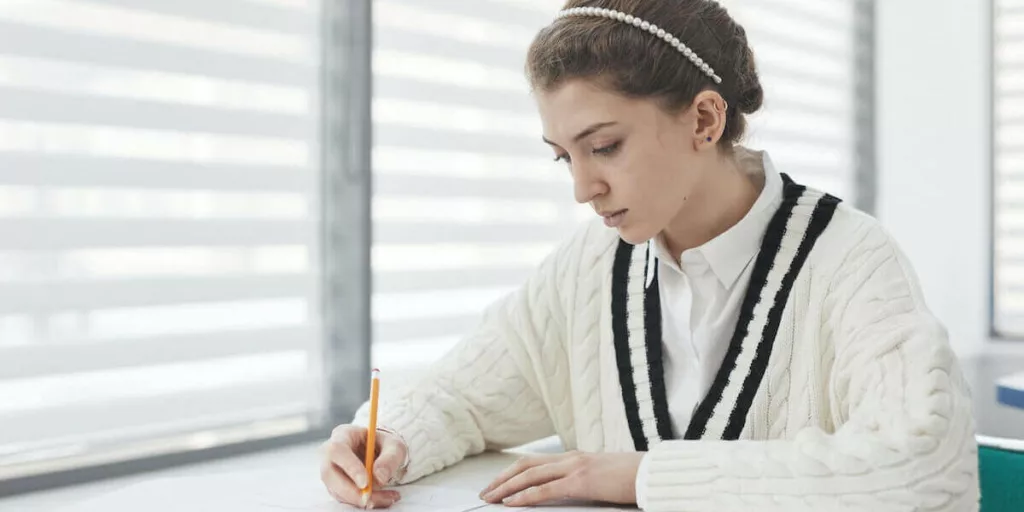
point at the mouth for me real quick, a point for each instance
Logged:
(613, 218)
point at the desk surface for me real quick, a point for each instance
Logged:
(191, 485)
(279, 488)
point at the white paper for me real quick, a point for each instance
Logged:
(263, 491)
(415, 498)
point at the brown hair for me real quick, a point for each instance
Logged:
(637, 64)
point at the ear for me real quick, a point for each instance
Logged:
(709, 108)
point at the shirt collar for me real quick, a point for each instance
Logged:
(730, 252)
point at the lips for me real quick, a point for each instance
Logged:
(614, 218)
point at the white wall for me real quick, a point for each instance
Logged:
(933, 152)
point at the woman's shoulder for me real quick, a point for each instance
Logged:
(853, 240)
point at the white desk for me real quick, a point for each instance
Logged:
(1010, 390)
(192, 484)
(278, 489)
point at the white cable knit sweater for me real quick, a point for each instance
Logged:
(862, 405)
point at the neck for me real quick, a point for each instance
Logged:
(718, 202)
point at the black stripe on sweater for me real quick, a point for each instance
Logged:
(820, 218)
(620, 331)
(655, 365)
(758, 280)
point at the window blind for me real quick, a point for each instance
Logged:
(1008, 170)
(806, 58)
(467, 200)
(159, 217)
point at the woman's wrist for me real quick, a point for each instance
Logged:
(405, 464)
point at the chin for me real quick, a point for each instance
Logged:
(634, 235)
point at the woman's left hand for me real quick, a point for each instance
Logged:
(606, 477)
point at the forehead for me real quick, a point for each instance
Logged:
(577, 104)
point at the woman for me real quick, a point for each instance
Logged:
(725, 339)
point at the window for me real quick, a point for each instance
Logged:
(1008, 160)
(467, 201)
(159, 227)
(807, 58)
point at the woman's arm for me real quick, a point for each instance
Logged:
(908, 439)
(489, 391)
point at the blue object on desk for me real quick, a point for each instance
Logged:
(1010, 390)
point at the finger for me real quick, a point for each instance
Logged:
(380, 499)
(342, 454)
(342, 489)
(532, 477)
(519, 466)
(551, 491)
(391, 457)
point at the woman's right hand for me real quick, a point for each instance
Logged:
(343, 472)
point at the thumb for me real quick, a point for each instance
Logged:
(390, 459)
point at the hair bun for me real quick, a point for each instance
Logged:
(751, 99)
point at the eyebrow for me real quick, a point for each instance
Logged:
(585, 133)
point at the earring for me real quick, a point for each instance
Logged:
(709, 139)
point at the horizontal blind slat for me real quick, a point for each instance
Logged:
(421, 328)
(17, 39)
(443, 186)
(55, 234)
(41, 169)
(467, 277)
(233, 12)
(38, 297)
(154, 416)
(62, 108)
(424, 233)
(86, 356)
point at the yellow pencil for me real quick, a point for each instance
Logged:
(371, 434)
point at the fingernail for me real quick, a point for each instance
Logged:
(361, 481)
(510, 499)
(382, 476)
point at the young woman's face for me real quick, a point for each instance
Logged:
(631, 161)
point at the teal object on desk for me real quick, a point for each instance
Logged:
(1001, 468)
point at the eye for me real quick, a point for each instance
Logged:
(564, 157)
(607, 150)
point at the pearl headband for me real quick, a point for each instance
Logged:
(648, 27)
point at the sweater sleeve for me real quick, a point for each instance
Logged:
(493, 389)
(905, 434)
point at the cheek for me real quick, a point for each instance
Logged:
(661, 180)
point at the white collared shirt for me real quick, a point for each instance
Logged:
(701, 294)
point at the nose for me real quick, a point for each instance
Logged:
(587, 183)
